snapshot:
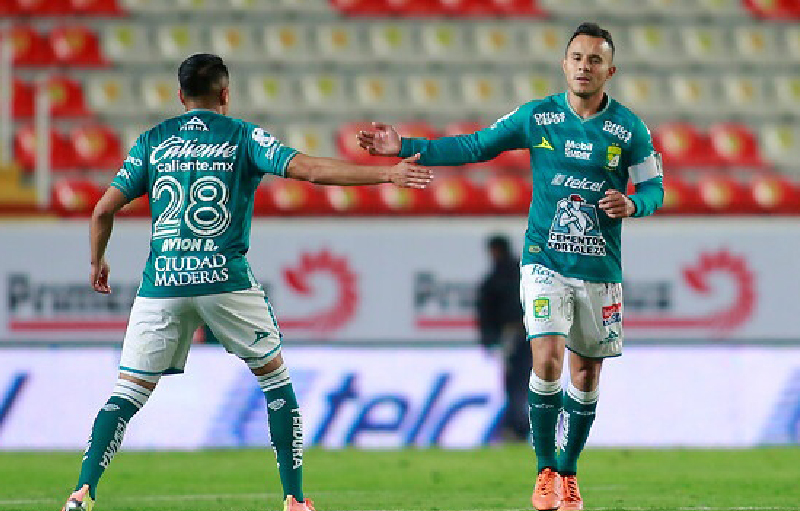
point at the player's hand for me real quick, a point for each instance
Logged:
(99, 277)
(616, 204)
(408, 174)
(382, 140)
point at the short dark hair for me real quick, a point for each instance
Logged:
(202, 74)
(594, 30)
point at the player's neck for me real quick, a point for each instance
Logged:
(586, 107)
(196, 105)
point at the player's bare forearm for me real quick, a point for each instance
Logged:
(100, 227)
(331, 171)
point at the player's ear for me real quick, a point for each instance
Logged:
(224, 96)
(612, 70)
(180, 96)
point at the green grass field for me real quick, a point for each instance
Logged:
(487, 479)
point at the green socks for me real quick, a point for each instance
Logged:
(544, 406)
(285, 430)
(107, 432)
(579, 413)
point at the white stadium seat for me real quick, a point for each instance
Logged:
(110, 94)
(495, 42)
(378, 93)
(485, 94)
(529, 86)
(746, 94)
(339, 43)
(272, 94)
(160, 94)
(392, 42)
(325, 93)
(787, 93)
(546, 42)
(705, 44)
(175, 42)
(444, 42)
(126, 43)
(234, 42)
(695, 95)
(312, 139)
(286, 42)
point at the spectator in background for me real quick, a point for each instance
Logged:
(501, 325)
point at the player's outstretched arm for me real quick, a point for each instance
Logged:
(330, 171)
(100, 226)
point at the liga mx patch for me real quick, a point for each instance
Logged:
(612, 314)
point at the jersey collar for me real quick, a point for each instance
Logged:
(593, 116)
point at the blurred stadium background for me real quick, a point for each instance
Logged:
(711, 280)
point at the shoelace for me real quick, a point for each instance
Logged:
(571, 491)
(546, 484)
(309, 504)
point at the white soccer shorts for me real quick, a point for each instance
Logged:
(160, 330)
(588, 314)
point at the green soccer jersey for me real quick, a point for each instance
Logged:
(200, 170)
(574, 161)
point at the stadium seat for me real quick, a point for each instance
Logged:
(545, 42)
(42, 8)
(757, 44)
(787, 93)
(234, 43)
(66, 97)
(495, 42)
(773, 9)
(625, 8)
(430, 93)
(30, 48)
(292, 197)
(484, 94)
(96, 7)
(378, 95)
(518, 8)
(22, 98)
(148, 7)
(681, 145)
(780, 143)
(353, 200)
(457, 195)
(126, 43)
(311, 139)
(325, 93)
(96, 147)
(287, 42)
(62, 157)
(720, 193)
(645, 94)
(405, 201)
(508, 194)
(417, 8)
(444, 42)
(304, 7)
(110, 94)
(357, 8)
(791, 38)
(705, 44)
(569, 8)
(680, 197)
(653, 44)
(252, 7)
(129, 133)
(392, 42)
(272, 94)
(338, 43)
(176, 41)
(75, 197)
(529, 86)
(160, 94)
(467, 8)
(735, 145)
(201, 5)
(76, 46)
(722, 9)
(774, 194)
(745, 94)
(695, 95)
(674, 9)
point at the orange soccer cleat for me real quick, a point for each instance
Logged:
(79, 500)
(291, 504)
(572, 495)
(547, 492)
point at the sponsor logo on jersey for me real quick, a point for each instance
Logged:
(546, 118)
(612, 314)
(577, 184)
(544, 144)
(575, 228)
(578, 150)
(136, 162)
(177, 147)
(194, 124)
(618, 131)
(613, 156)
(124, 174)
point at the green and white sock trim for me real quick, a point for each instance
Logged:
(584, 398)
(275, 379)
(543, 387)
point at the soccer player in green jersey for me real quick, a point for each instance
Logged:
(201, 170)
(584, 147)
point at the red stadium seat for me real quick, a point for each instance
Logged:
(66, 97)
(291, 197)
(96, 7)
(22, 98)
(680, 197)
(76, 45)
(372, 8)
(456, 195)
(721, 194)
(42, 7)
(508, 194)
(30, 48)
(353, 200)
(773, 9)
(9, 9)
(347, 145)
(406, 201)
(416, 8)
(470, 8)
(62, 157)
(735, 145)
(96, 147)
(75, 197)
(775, 194)
(682, 145)
(517, 8)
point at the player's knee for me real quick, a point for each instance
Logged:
(134, 390)
(259, 368)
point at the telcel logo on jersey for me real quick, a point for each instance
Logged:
(577, 184)
(579, 150)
